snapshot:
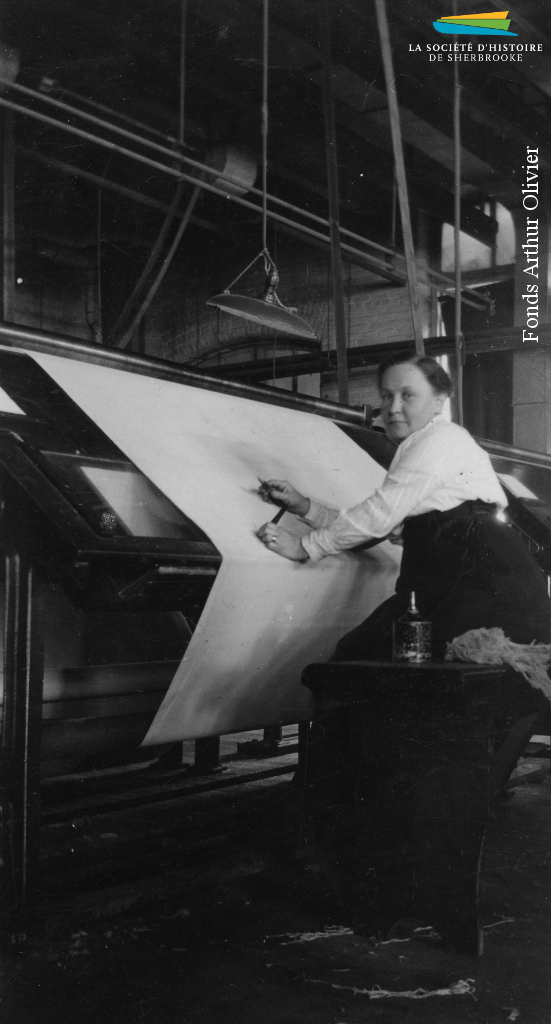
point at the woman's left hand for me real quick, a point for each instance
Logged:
(282, 542)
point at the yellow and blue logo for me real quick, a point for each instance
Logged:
(494, 24)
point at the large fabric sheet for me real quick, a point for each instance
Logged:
(266, 617)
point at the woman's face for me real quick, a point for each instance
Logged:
(408, 401)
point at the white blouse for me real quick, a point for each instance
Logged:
(435, 468)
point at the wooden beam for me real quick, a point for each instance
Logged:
(333, 186)
(395, 130)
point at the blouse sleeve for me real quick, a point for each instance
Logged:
(319, 516)
(409, 481)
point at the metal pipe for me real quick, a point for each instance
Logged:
(133, 299)
(100, 122)
(115, 148)
(372, 355)
(8, 218)
(168, 152)
(198, 164)
(334, 212)
(507, 451)
(31, 340)
(378, 265)
(208, 170)
(156, 283)
(141, 197)
(396, 135)
(145, 200)
(106, 183)
(181, 157)
(457, 232)
(110, 110)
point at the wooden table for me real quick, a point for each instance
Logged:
(416, 753)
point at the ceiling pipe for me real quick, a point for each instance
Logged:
(112, 186)
(198, 165)
(99, 122)
(381, 267)
(49, 85)
(446, 283)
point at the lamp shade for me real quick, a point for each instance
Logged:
(266, 314)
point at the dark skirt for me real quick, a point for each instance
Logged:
(468, 569)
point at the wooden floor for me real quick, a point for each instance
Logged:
(205, 926)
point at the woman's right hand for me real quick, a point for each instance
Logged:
(281, 492)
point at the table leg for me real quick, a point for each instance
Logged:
(451, 810)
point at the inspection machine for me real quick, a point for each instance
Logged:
(105, 578)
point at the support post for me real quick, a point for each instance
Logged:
(459, 344)
(8, 218)
(532, 367)
(396, 135)
(21, 737)
(207, 756)
(334, 216)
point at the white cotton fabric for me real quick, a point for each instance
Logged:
(266, 618)
(435, 468)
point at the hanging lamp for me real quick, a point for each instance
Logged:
(267, 311)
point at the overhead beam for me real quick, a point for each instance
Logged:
(295, 54)
(535, 68)
(434, 197)
(334, 216)
(506, 340)
(400, 171)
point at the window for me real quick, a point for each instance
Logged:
(476, 255)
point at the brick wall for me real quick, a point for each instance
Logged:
(57, 303)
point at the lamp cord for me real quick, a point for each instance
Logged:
(268, 261)
(269, 265)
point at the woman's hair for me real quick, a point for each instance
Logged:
(437, 377)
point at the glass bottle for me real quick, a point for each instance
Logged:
(411, 635)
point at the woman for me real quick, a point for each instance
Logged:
(467, 567)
